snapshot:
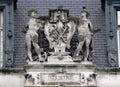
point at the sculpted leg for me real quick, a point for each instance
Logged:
(79, 47)
(28, 44)
(88, 40)
(37, 49)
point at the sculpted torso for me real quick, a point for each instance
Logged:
(33, 27)
(83, 29)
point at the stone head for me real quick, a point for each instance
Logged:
(84, 12)
(33, 13)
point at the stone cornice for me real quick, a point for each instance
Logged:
(12, 70)
(110, 70)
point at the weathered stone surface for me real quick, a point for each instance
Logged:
(105, 77)
(60, 74)
(97, 17)
(12, 78)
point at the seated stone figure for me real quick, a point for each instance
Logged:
(85, 30)
(32, 35)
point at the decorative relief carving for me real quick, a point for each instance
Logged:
(31, 37)
(112, 58)
(59, 29)
(29, 79)
(80, 79)
(85, 30)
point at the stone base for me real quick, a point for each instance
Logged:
(60, 58)
(60, 63)
(59, 74)
(87, 63)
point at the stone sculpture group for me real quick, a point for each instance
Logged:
(59, 29)
(60, 65)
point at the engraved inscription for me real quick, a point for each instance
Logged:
(62, 78)
(82, 79)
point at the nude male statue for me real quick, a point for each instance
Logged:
(85, 30)
(32, 35)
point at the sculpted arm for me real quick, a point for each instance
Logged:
(26, 27)
(90, 25)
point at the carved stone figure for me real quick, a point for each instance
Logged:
(91, 80)
(85, 30)
(59, 33)
(59, 29)
(32, 35)
(29, 79)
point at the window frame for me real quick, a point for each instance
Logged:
(1, 29)
(117, 8)
(3, 8)
(118, 38)
(8, 33)
(111, 9)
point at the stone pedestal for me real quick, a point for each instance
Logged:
(60, 74)
(60, 70)
(60, 58)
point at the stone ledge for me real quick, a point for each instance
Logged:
(22, 70)
(60, 63)
(12, 70)
(60, 86)
(109, 70)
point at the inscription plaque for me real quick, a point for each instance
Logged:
(81, 79)
(54, 78)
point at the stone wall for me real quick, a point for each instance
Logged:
(97, 17)
(11, 78)
(108, 78)
(104, 78)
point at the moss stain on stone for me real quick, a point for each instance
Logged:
(35, 38)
